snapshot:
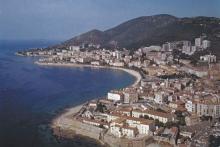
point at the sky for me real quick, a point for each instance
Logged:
(64, 19)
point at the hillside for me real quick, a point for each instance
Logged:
(157, 29)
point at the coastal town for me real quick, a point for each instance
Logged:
(175, 100)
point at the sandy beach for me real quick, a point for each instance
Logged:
(60, 119)
(131, 72)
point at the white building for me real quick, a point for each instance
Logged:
(118, 64)
(83, 60)
(118, 55)
(189, 50)
(116, 131)
(165, 47)
(207, 107)
(162, 117)
(169, 46)
(129, 131)
(135, 64)
(94, 122)
(144, 126)
(151, 48)
(74, 48)
(120, 131)
(206, 44)
(186, 43)
(131, 126)
(115, 96)
(208, 58)
(130, 95)
(95, 63)
(198, 42)
(160, 98)
(87, 114)
(190, 106)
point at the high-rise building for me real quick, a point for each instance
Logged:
(165, 47)
(186, 43)
(206, 44)
(198, 42)
(172, 46)
(169, 46)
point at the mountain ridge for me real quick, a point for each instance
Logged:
(152, 30)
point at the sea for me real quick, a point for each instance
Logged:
(32, 95)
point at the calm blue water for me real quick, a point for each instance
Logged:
(32, 95)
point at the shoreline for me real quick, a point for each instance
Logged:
(133, 73)
(64, 125)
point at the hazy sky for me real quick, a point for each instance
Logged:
(62, 19)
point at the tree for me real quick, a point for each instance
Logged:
(100, 107)
(101, 126)
(168, 124)
(178, 113)
(146, 116)
(182, 121)
(151, 118)
(158, 123)
(160, 110)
